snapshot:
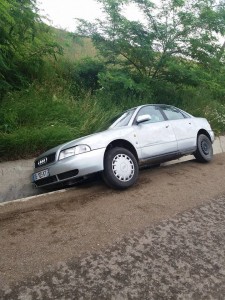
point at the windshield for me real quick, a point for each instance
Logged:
(123, 119)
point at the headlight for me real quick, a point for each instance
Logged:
(74, 151)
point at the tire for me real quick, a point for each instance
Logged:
(204, 152)
(120, 168)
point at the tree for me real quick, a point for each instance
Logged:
(85, 75)
(191, 30)
(24, 42)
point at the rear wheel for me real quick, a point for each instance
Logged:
(120, 168)
(204, 152)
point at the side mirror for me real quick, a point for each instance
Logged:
(143, 118)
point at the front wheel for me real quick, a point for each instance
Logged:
(120, 168)
(204, 152)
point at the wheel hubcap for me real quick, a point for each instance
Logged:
(205, 147)
(123, 167)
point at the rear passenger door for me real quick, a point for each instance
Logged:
(183, 127)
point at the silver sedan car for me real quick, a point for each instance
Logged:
(144, 135)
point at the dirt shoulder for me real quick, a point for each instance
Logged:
(51, 229)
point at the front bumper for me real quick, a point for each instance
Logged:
(71, 168)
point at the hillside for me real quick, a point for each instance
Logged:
(74, 48)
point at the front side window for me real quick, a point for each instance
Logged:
(154, 113)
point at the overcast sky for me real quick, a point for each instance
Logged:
(63, 13)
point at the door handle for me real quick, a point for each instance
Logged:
(167, 126)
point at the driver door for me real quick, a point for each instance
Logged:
(156, 137)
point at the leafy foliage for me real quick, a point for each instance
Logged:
(176, 44)
(188, 29)
(24, 42)
(84, 76)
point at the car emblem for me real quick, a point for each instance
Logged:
(42, 161)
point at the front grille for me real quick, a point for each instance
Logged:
(45, 160)
(46, 180)
(67, 175)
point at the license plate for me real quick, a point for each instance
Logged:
(41, 174)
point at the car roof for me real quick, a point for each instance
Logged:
(153, 104)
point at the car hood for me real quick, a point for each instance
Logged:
(96, 140)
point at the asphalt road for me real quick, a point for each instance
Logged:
(162, 239)
(181, 258)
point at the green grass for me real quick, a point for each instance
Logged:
(37, 119)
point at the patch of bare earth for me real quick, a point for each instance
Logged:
(50, 229)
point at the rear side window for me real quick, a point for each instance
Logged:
(173, 113)
(154, 113)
